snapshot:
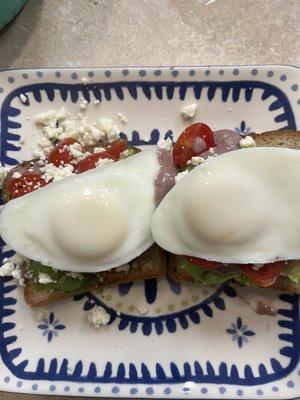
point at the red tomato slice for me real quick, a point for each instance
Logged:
(205, 264)
(116, 148)
(264, 276)
(184, 148)
(61, 154)
(90, 161)
(28, 182)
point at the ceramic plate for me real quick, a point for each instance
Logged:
(209, 336)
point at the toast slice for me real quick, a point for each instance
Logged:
(288, 139)
(150, 264)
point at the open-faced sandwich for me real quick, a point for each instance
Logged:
(234, 213)
(80, 214)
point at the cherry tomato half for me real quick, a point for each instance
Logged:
(61, 155)
(90, 161)
(205, 264)
(28, 182)
(264, 276)
(116, 148)
(185, 147)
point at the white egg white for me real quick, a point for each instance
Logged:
(90, 222)
(240, 207)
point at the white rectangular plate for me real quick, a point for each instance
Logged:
(190, 333)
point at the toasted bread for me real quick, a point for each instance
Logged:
(150, 264)
(288, 139)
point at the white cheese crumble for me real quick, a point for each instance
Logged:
(51, 117)
(3, 174)
(96, 102)
(75, 275)
(45, 278)
(85, 80)
(98, 316)
(12, 267)
(122, 118)
(76, 150)
(196, 161)
(99, 150)
(180, 176)
(104, 161)
(165, 144)
(142, 310)
(247, 142)
(16, 175)
(188, 111)
(107, 126)
(83, 105)
(23, 98)
(188, 386)
(57, 173)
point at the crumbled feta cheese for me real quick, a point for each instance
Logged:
(165, 144)
(107, 126)
(44, 278)
(16, 175)
(7, 269)
(104, 161)
(3, 174)
(97, 102)
(76, 150)
(246, 142)
(84, 80)
(12, 267)
(23, 98)
(99, 150)
(142, 310)
(98, 316)
(179, 176)
(57, 173)
(123, 268)
(51, 117)
(188, 387)
(46, 145)
(83, 105)
(39, 154)
(122, 118)
(75, 275)
(196, 161)
(188, 111)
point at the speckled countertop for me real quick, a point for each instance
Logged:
(150, 32)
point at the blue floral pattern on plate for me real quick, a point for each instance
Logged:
(51, 327)
(239, 332)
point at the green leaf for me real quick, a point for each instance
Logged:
(292, 271)
(62, 280)
(212, 276)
